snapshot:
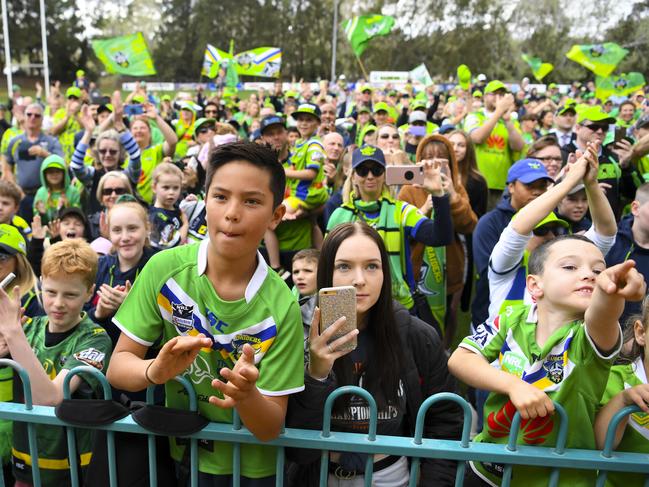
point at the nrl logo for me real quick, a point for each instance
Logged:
(182, 316)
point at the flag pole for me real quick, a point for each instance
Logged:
(5, 31)
(360, 63)
(46, 65)
(334, 41)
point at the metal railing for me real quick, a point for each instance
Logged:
(416, 448)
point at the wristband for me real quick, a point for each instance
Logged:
(146, 374)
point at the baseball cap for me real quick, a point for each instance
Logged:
(256, 135)
(308, 108)
(165, 98)
(73, 91)
(477, 94)
(494, 85)
(418, 105)
(527, 171)
(291, 94)
(108, 107)
(417, 116)
(381, 106)
(594, 114)
(364, 109)
(569, 104)
(642, 122)
(188, 106)
(203, 121)
(80, 72)
(270, 121)
(551, 218)
(73, 210)
(367, 153)
(482, 77)
(366, 88)
(552, 86)
(11, 241)
(138, 99)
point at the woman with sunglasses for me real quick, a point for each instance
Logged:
(536, 223)
(388, 138)
(110, 187)
(367, 198)
(354, 254)
(108, 154)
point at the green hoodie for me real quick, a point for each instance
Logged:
(47, 202)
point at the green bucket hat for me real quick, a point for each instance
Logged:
(11, 241)
(494, 85)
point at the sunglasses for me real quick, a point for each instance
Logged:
(109, 191)
(364, 169)
(387, 136)
(5, 257)
(597, 126)
(34, 115)
(112, 152)
(550, 159)
(556, 230)
(204, 130)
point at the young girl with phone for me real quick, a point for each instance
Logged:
(354, 255)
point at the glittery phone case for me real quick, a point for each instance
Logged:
(335, 302)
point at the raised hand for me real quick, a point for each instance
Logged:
(322, 351)
(624, 281)
(241, 380)
(175, 356)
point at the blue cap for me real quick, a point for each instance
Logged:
(367, 153)
(527, 171)
(270, 120)
(255, 135)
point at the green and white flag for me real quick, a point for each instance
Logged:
(421, 74)
(212, 61)
(125, 55)
(601, 59)
(539, 69)
(261, 61)
(620, 86)
(360, 30)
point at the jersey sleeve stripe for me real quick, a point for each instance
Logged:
(281, 393)
(130, 334)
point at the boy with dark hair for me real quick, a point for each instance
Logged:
(224, 315)
(48, 347)
(559, 349)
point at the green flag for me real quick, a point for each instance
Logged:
(125, 55)
(212, 61)
(601, 59)
(261, 61)
(421, 74)
(620, 86)
(360, 30)
(539, 69)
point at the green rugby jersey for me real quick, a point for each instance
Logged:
(309, 154)
(636, 434)
(173, 296)
(568, 368)
(89, 344)
(151, 157)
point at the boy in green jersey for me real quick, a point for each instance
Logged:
(48, 347)
(229, 324)
(559, 349)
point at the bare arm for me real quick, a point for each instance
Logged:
(480, 135)
(516, 142)
(303, 175)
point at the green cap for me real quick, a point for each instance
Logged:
(364, 109)
(11, 241)
(569, 104)
(381, 106)
(291, 94)
(593, 113)
(552, 86)
(494, 85)
(365, 88)
(188, 105)
(165, 98)
(80, 72)
(551, 218)
(138, 99)
(73, 91)
(202, 121)
(308, 108)
(107, 107)
(418, 105)
(464, 76)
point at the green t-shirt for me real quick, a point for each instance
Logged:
(172, 296)
(89, 344)
(309, 154)
(636, 434)
(8, 134)
(568, 368)
(493, 156)
(294, 235)
(66, 138)
(151, 157)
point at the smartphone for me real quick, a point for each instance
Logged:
(417, 130)
(335, 302)
(9, 279)
(135, 109)
(404, 175)
(444, 168)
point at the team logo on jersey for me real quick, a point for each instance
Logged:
(240, 340)
(92, 357)
(553, 365)
(200, 370)
(182, 316)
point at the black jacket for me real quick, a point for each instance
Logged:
(425, 373)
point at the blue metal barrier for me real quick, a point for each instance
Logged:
(416, 448)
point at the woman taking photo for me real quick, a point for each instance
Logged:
(367, 198)
(354, 255)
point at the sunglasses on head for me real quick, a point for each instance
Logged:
(387, 136)
(597, 126)
(364, 169)
(112, 152)
(556, 230)
(109, 191)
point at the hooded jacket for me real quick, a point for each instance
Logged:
(625, 248)
(424, 373)
(463, 217)
(48, 202)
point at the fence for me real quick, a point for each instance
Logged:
(416, 448)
